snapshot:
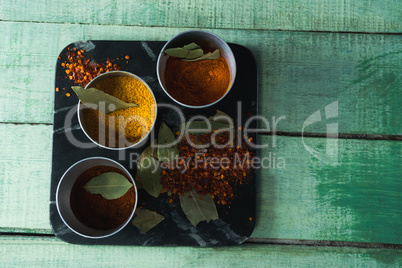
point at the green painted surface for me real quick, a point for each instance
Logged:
(352, 197)
(357, 200)
(299, 73)
(25, 176)
(296, 15)
(49, 252)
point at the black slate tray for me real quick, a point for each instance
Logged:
(235, 224)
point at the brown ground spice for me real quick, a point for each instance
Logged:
(95, 211)
(197, 83)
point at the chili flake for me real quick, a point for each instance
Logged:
(209, 170)
(81, 69)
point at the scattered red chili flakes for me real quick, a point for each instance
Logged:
(57, 89)
(212, 170)
(81, 69)
(68, 94)
(251, 218)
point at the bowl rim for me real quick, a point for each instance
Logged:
(63, 177)
(129, 74)
(161, 55)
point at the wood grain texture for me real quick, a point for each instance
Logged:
(49, 252)
(296, 15)
(358, 200)
(299, 73)
(352, 197)
(25, 164)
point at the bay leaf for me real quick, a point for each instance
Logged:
(191, 46)
(209, 56)
(190, 51)
(149, 151)
(166, 137)
(110, 185)
(92, 96)
(221, 117)
(178, 52)
(138, 181)
(146, 219)
(201, 127)
(154, 146)
(194, 54)
(150, 174)
(197, 209)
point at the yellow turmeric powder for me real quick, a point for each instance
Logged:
(127, 126)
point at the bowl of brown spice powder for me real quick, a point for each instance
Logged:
(124, 128)
(196, 69)
(89, 212)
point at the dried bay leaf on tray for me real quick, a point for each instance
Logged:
(201, 127)
(198, 208)
(150, 173)
(110, 185)
(221, 117)
(218, 121)
(167, 147)
(146, 219)
(149, 151)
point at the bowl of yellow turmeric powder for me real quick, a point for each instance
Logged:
(124, 128)
(196, 69)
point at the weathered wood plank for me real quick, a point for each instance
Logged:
(25, 164)
(358, 200)
(353, 197)
(49, 252)
(299, 73)
(296, 15)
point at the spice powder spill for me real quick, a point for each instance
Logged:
(129, 125)
(95, 211)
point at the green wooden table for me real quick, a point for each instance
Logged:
(335, 63)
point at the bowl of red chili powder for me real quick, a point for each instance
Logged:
(91, 215)
(201, 83)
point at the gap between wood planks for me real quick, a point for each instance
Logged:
(268, 241)
(274, 241)
(26, 123)
(289, 134)
(208, 28)
(334, 136)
